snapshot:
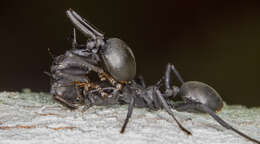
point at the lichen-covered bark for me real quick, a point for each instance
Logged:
(35, 118)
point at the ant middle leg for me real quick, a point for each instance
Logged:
(168, 110)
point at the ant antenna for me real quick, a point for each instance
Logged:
(177, 73)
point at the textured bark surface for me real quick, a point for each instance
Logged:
(29, 117)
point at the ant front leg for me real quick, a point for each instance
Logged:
(118, 85)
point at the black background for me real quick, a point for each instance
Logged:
(213, 42)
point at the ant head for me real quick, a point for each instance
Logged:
(118, 58)
(194, 91)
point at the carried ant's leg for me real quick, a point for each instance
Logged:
(69, 77)
(86, 23)
(83, 25)
(63, 101)
(77, 23)
(66, 70)
(129, 113)
(96, 87)
(167, 108)
(74, 39)
(206, 109)
(72, 61)
(74, 43)
(87, 54)
(67, 93)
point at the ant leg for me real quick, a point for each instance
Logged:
(171, 91)
(223, 123)
(77, 23)
(167, 108)
(96, 87)
(75, 45)
(74, 40)
(71, 60)
(206, 109)
(59, 98)
(129, 113)
(86, 23)
(67, 92)
(118, 85)
(140, 80)
(83, 25)
(69, 77)
(104, 89)
(167, 75)
(176, 72)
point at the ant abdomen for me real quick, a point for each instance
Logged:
(195, 91)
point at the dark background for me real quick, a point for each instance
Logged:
(213, 42)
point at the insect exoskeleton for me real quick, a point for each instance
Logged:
(201, 92)
(117, 58)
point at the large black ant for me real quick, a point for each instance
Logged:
(102, 71)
